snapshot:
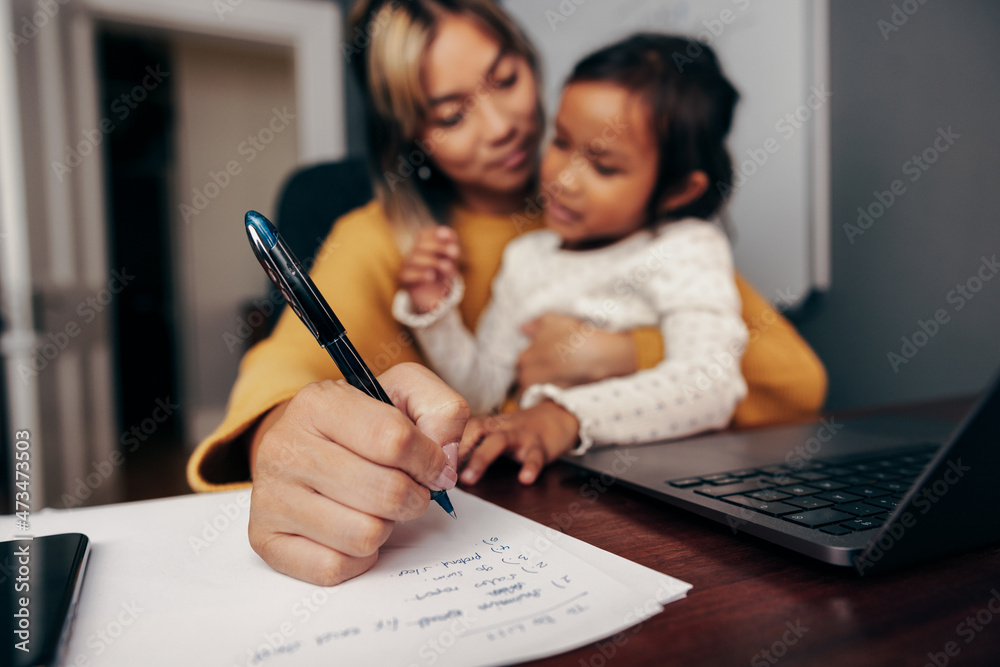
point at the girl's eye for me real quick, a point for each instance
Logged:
(605, 171)
(560, 143)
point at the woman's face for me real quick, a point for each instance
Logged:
(482, 130)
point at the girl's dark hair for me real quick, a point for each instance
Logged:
(691, 104)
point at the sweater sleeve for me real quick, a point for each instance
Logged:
(356, 269)
(481, 367)
(698, 384)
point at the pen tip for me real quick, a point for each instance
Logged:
(453, 515)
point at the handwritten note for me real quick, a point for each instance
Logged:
(489, 588)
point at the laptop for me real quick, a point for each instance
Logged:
(872, 493)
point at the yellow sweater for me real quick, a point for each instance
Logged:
(357, 269)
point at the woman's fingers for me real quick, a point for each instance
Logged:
(293, 531)
(438, 411)
(371, 429)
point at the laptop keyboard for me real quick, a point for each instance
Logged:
(837, 497)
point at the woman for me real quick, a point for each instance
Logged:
(454, 129)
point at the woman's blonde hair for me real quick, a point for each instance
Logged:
(385, 46)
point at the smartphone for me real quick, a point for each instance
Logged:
(40, 579)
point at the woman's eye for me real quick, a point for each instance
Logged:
(604, 170)
(450, 121)
(507, 82)
(560, 143)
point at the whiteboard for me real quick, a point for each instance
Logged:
(776, 54)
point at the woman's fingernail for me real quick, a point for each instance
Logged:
(447, 479)
(451, 451)
(469, 476)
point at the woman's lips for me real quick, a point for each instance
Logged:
(516, 158)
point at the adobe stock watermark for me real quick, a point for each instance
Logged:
(915, 167)
(137, 434)
(779, 648)
(264, 308)
(30, 27)
(968, 630)
(87, 311)
(212, 528)
(798, 457)
(104, 638)
(607, 650)
(745, 168)
(958, 297)
(249, 149)
(930, 495)
(122, 107)
(280, 641)
(900, 14)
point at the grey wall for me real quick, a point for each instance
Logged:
(892, 94)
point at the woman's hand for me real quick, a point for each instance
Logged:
(430, 268)
(566, 352)
(534, 437)
(335, 469)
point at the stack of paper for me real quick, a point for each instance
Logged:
(174, 582)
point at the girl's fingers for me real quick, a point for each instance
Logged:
(532, 462)
(492, 446)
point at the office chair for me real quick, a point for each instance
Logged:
(310, 201)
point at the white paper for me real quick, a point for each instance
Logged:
(174, 582)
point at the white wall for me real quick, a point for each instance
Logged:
(233, 103)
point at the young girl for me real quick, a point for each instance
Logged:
(635, 172)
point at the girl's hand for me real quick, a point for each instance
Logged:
(336, 469)
(567, 352)
(534, 437)
(430, 268)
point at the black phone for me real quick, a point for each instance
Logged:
(40, 579)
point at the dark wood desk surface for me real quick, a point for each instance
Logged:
(750, 597)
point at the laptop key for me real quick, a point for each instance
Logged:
(886, 503)
(864, 523)
(798, 490)
(810, 475)
(684, 483)
(768, 495)
(728, 489)
(859, 509)
(829, 485)
(725, 481)
(836, 529)
(839, 496)
(748, 472)
(815, 518)
(774, 509)
(894, 486)
(809, 502)
(856, 480)
(867, 491)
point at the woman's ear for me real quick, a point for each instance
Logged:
(686, 192)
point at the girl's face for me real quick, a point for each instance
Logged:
(483, 126)
(601, 167)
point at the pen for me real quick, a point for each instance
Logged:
(308, 303)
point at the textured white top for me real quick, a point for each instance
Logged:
(679, 278)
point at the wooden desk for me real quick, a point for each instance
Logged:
(748, 595)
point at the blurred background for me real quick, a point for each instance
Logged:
(136, 133)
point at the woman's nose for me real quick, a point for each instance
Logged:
(498, 125)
